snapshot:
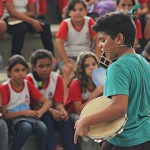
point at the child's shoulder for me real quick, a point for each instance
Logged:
(54, 74)
(75, 81)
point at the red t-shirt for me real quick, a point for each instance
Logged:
(138, 29)
(35, 94)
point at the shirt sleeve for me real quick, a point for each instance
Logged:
(91, 23)
(31, 1)
(116, 81)
(5, 94)
(62, 31)
(74, 92)
(138, 29)
(35, 94)
(59, 92)
(29, 78)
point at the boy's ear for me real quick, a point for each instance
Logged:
(121, 39)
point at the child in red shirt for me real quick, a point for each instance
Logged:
(51, 86)
(17, 94)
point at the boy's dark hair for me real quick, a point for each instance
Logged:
(79, 73)
(115, 23)
(133, 2)
(40, 54)
(14, 60)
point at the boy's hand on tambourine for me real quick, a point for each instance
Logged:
(80, 129)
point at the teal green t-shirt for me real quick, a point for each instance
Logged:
(130, 75)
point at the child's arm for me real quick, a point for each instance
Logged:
(45, 106)
(97, 92)
(79, 105)
(25, 17)
(59, 44)
(11, 115)
(60, 107)
(147, 30)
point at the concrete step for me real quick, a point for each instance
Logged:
(31, 42)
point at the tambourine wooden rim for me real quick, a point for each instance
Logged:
(102, 131)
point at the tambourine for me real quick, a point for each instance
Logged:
(102, 131)
(98, 74)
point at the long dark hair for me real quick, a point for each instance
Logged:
(79, 73)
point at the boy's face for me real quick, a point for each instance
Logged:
(125, 5)
(43, 68)
(107, 44)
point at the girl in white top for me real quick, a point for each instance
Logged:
(82, 88)
(74, 35)
(17, 94)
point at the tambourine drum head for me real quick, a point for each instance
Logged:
(103, 130)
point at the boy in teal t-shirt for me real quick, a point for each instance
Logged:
(126, 83)
(129, 76)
